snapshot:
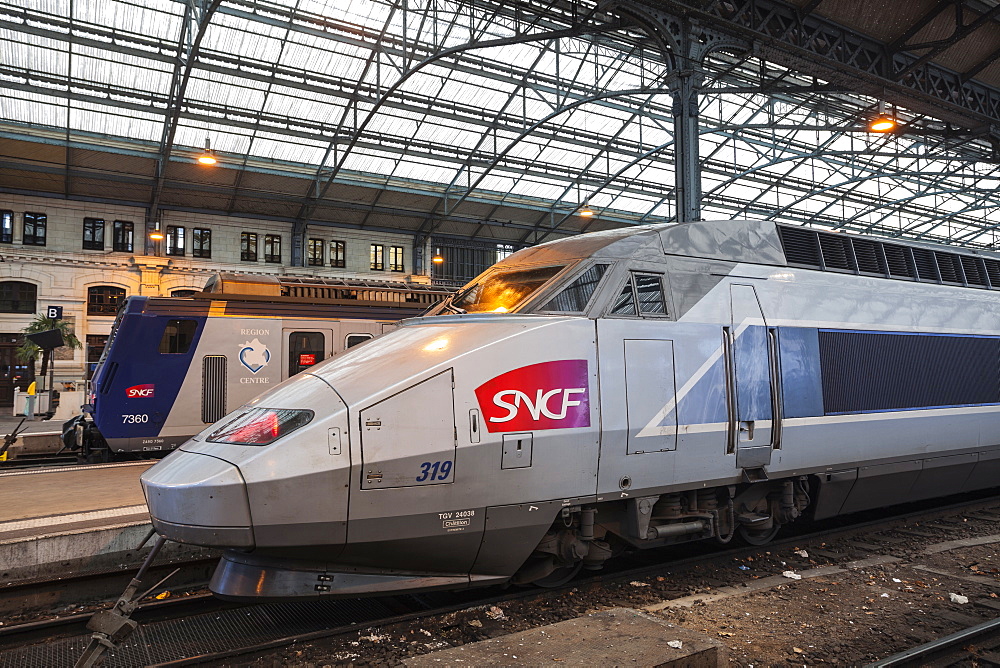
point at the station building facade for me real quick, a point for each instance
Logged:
(88, 257)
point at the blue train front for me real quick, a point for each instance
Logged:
(620, 390)
(174, 365)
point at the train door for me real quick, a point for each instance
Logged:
(751, 366)
(649, 390)
(304, 348)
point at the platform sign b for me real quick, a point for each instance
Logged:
(53, 312)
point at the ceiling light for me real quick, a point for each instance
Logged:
(883, 122)
(156, 235)
(207, 157)
(585, 211)
(438, 258)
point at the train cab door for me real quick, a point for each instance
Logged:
(304, 348)
(754, 408)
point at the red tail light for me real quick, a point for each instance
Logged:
(260, 426)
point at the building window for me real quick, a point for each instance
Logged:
(17, 297)
(272, 248)
(93, 234)
(104, 299)
(182, 293)
(504, 250)
(34, 229)
(338, 254)
(377, 263)
(201, 242)
(122, 236)
(6, 227)
(395, 258)
(248, 246)
(175, 240)
(315, 252)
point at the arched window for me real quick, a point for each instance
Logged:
(182, 293)
(104, 299)
(17, 297)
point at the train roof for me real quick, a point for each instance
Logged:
(272, 285)
(770, 243)
(736, 240)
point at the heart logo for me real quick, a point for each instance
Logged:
(254, 355)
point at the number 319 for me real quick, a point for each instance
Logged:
(434, 471)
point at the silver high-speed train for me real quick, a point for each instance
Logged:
(624, 389)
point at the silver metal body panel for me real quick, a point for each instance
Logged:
(427, 417)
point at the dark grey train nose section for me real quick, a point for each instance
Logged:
(199, 499)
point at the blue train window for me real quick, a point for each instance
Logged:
(177, 336)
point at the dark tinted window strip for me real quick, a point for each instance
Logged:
(874, 371)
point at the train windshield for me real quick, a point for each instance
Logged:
(501, 291)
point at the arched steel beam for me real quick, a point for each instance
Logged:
(311, 204)
(421, 232)
(537, 124)
(608, 181)
(267, 93)
(190, 38)
(927, 190)
(605, 150)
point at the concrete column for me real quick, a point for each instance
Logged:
(152, 271)
(299, 231)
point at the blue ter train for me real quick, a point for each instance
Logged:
(173, 365)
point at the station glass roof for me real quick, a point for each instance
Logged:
(506, 142)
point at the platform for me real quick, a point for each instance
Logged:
(615, 637)
(72, 521)
(35, 437)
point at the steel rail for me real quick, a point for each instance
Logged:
(704, 553)
(917, 656)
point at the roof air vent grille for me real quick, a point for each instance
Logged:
(837, 252)
(800, 246)
(926, 267)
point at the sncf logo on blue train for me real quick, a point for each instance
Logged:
(140, 391)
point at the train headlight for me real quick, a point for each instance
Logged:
(261, 426)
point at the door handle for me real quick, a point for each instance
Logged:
(746, 428)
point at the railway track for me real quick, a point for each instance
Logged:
(186, 635)
(977, 645)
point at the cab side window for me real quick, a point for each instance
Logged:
(642, 295)
(354, 339)
(576, 296)
(177, 336)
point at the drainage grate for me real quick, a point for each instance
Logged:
(207, 634)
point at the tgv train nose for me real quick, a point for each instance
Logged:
(195, 498)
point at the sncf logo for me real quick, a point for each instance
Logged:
(140, 391)
(551, 395)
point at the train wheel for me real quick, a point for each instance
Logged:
(559, 576)
(758, 536)
(99, 456)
